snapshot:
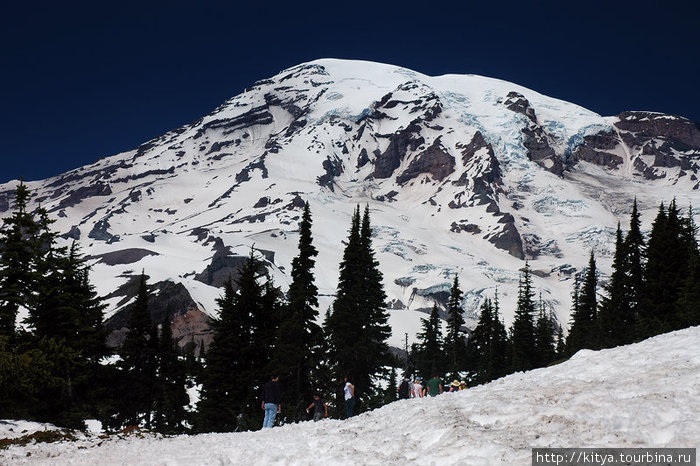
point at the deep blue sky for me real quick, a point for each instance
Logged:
(89, 80)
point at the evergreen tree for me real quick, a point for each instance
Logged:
(522, 333)
(65, 305)
(688, 305)
(411, 369)
(430, 356)
(297, 352)
(265, 320)
(584, 328)
(479, 343)
(87, 333)
(239, 357)
(76, 321)
(649, 321)
(49, 309)
(634, 247)
(323, 374)
(170, 395)
(544, 338)
(225, 371)
(357, 327)
(66, 337)
(488, 344)
(616, 315)
(193, 366)
(455, 340)
(17, 257)
(664, 273)
(53, 400)
(138, 365)
(561, 344)
(497, 362)
(377, 330)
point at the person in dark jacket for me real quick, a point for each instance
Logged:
(404, 389)
(320, 408)
(272, 401)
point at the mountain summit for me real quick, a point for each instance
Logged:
(463, 174)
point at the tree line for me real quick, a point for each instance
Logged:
(491, 351)
(654, 288)
(55, 366)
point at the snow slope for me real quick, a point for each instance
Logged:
(641, 395)
(464, 175)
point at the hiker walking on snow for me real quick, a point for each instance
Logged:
(349, 392)
(272, 401)
(320, 408)
(404, 389)
(417, 390)
(434, 386)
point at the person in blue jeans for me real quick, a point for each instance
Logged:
(272, 401)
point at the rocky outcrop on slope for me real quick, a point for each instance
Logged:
(599, 149)
(434, 161)
(659, 146)
(536, 139)
(166, 301)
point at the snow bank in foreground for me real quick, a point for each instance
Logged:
(642, 395)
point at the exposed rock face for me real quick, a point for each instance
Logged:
(655, 143)
(166, 300)
(74, 233)
(333, 167)
(400, 143)
(78, 195)
(539, 150)
(598, 149)
(193, 327)
(679, 132)
(461, 226)
(222, 267)
(508, 238)
(478, 156)
(435, 160)
(517, 103)
(5, 201)
(483, 179)
(124, 256)
(536, 140)
(253, 117)
(101, 232)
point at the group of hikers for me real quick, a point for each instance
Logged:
(272, 402)
(272, 396)
(433, 387)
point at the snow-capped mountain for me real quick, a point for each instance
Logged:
(463, 174)
(645, 395)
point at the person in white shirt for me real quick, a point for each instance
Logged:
(417, 390)
(349, 391)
